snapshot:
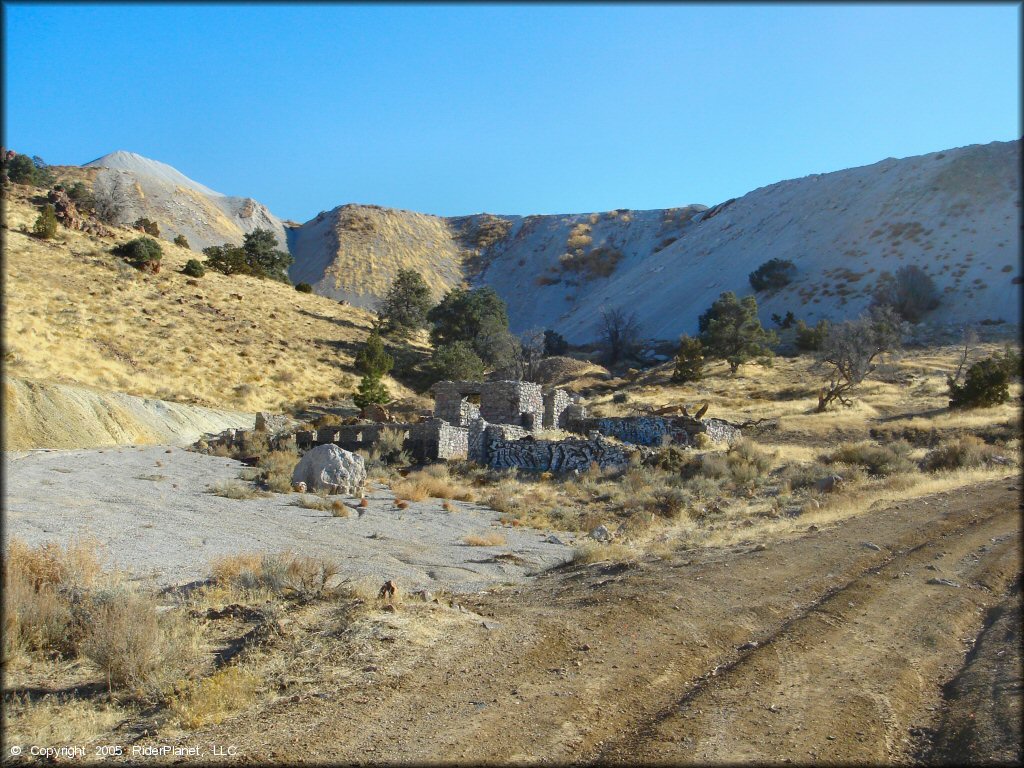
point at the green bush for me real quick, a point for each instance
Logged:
(882, 460)
(456, 362)
(257, 256)
(194, 268)
(142, 253)
(689, 360)
(407, 303)
(303, 287)
(181, 241)
(731, 330)
(22, 169)
(986, 384)
(373, 360)
(371, 390)
(773, 274)
(811, 338)
(46, 225)
(82, 197)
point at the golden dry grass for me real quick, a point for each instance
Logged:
(434, 481)
(487, 539)
(211, 699)
(77, 314)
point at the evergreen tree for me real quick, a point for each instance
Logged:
(46, 225)
(407, 303)
(731, 330)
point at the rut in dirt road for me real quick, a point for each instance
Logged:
(847, 677)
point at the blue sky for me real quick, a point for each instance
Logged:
(502, 108)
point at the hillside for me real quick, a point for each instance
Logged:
(76, 314)
(354, 252)
(141, 187)
(954, 213)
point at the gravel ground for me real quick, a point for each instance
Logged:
(151, 509)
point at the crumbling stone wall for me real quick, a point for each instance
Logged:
(520, 403)
(556, 455)
(555, 404)
(652, 430)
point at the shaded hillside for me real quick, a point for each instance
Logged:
(140, 187)
(74, 313)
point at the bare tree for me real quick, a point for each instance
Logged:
(850, 352)
(970, 341)
(620, 333)
(531, 352)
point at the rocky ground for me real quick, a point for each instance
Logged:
(152, 510)
(830, 645)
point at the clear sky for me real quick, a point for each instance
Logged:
(503, 108)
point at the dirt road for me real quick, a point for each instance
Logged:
(833, 645)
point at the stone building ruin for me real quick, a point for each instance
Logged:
(497, 423)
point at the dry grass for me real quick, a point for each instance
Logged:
(54, 720)
(277, 469)
(211, 699)
(434, 481)
(283, 575)
(595, 552)
(487, 539)
(233, 489)
(73, 315)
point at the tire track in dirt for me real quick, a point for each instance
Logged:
(815, 647)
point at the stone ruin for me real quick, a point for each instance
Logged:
(497, 423)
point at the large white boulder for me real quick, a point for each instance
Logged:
(328, 467)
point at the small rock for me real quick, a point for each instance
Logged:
(489, 625)
(944, 583)
(601, 533)
(875, 547)
(552, 539)
(748, 646)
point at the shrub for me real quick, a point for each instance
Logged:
(773, 274)
(554, 344)
(462, 315)
(963, 453)
(457, 362)
(689, 360)
(277, 469)
(21, 170)
(910, 293)
(390, 447)
(986, 384)
(372, 360)
(82, 197)
(303, 287)
(46, 225)
(258, 256)
(135, 647)
(148, 226)
(784, 322)
(731, 330)
(882, 460)
(811, 338)
(210, 700)
(142, 253)
(181, 241)
(193, 268)
(407, 303)
(371, 391)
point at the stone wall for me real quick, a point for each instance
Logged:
(556, 455)
(651, 430)
(520, 403)
(555, 403)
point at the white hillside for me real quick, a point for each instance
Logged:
(144, 187)
(954, 213)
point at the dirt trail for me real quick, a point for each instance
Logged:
(655, 662)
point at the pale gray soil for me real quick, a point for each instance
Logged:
(151, 510)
